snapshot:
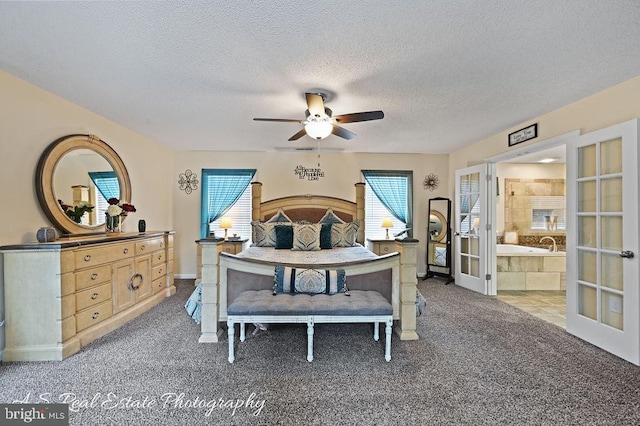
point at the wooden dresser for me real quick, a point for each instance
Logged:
(63, 295)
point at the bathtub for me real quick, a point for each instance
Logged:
(530, 268)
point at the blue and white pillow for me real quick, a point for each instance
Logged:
(344, 234)
(330, 217)
(263, 234)
(309, 281)
(306, 237)
(279, 217)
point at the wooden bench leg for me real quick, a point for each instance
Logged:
(231, 334)
(387, 349)
(310, 339)
(376, 331)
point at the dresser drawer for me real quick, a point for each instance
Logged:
(107, 254)
(94, 276)
(148, 246)
(93, 296)
(158, 258)
(159, 284)
(93, 315)
(158, 271)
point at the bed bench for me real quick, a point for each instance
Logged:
(262, 306)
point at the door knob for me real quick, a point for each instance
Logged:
(627, 254)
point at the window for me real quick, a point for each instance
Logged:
(388, 194)
(107, 187)
(548, 212)
(226, 193)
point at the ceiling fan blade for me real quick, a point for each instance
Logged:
(283, 120)
(359, 116)
(342, 132)
(315, 104)
(298, 135)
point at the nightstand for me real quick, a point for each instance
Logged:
(235, 246)
(381, 247)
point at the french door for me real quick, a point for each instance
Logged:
(470, 230)
(603, 299)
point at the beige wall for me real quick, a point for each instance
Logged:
(611, 106)
(276, 172)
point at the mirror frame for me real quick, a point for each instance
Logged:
(445, 226)
(46, 169)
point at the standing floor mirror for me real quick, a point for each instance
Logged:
(439, 239)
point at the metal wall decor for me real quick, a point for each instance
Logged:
(188, 181)
(311, 174)
(431, 182)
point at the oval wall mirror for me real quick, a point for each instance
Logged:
(80, 168)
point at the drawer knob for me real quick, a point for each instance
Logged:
(159, 256)
(125, 251)
(135, 277)
(159, 271)
(94, 276)
(87, 257)
(142, 247)
(94, 296)
(161, 245)
(95, 315)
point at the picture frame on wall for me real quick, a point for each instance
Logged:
(523, 134)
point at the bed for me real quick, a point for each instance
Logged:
(223, 276)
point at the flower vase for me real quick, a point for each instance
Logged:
(112, 223)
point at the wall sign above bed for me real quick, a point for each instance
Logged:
(310, 174)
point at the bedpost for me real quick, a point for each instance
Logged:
(360, 210)
(256, 199)
(408, 249)
(208, 270)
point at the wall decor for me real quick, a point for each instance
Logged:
(524, 134)
(311, 174)
(431, 182)
(188, 181)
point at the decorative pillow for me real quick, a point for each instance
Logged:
(284, 236)
(330, 217)
(279, 217)
(325, 236)
(309, 281)
(306, 237)
(263, 234)
(344, 234)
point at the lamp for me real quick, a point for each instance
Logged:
(225, 223)
(476, 224)
(387, 223)
(318, 127)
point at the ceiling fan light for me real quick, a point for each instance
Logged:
(318, 129)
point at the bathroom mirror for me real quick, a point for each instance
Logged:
(63, 173)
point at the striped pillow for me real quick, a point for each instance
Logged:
(309, 281)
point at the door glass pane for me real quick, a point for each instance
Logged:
(475, 266)
(611, 306)
(611, 232)
(464, 245)
(464, 264)
(611, 156)
(587, 231)
(587, 196)
(612, 271)
(587, 161)
(474, 179)
(587, 302)
(587, 267)
(474, 246)
(611, 195)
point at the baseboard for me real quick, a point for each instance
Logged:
(186, 276)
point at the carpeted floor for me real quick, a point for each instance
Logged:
(478, 361)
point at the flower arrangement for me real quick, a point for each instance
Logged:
(117, 209)
(76, 212)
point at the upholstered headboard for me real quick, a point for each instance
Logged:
(309, 207)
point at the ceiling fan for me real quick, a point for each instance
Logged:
(319, 123)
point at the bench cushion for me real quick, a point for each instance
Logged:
(264, 302)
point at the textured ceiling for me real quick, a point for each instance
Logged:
(192, 75)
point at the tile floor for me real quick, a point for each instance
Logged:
(546, 304)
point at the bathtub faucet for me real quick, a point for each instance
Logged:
(553, 248)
